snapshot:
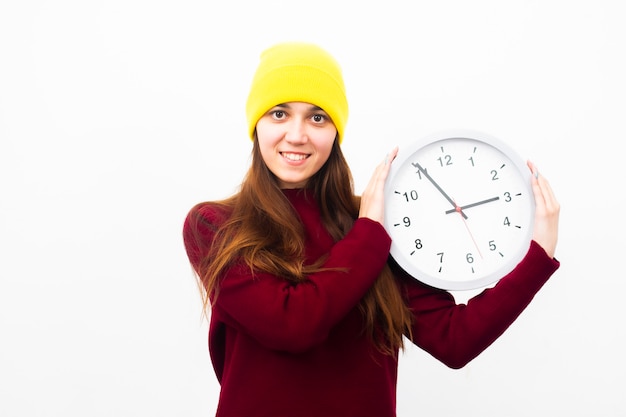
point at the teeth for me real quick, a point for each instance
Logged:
(294, 156)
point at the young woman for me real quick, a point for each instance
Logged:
(307, 310)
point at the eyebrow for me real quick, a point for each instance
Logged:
(286, 106)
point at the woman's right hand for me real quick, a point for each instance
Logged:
(373, 197)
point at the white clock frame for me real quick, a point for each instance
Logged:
(473, 238)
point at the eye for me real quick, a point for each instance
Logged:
(278, 114)
(319, 118)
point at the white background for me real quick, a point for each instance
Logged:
(117, 116)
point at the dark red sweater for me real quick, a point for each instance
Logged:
(280, 349)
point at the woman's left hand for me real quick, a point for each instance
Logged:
(373, 197)
(547, 208)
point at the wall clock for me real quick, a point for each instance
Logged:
(459, 209)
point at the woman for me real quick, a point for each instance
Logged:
(307, 311)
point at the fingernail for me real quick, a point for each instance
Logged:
(537, 174)
(386, 159)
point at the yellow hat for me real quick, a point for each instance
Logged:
(296, 71)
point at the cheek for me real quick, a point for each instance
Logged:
(266, 132)
(267, 141)
(326, 152)
(266, 153)
(325, 144)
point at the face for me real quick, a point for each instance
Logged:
(295, 140)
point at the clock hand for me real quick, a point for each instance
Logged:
(489, 200)
(456, 208)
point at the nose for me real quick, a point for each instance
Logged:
(296, 132)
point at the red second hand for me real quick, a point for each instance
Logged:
(458, 210)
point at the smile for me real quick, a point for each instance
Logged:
(294, 156)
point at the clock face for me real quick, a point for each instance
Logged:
(459, 209)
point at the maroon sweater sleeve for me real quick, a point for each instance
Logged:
(456, 334)
(285, 316)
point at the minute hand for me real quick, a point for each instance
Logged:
(489, 200)
(456, 208)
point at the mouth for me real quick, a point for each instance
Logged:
(295, 157)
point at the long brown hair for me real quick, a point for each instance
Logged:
(263, 231)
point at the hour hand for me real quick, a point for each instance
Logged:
(478, 203)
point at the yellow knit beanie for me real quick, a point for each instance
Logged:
(296, 71)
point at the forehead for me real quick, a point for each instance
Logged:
(298, 105)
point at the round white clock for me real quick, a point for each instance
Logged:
(459, 209)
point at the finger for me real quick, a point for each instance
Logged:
(389, 158)
(382, 169)
(533, 168)
(536, 187)
(372, 199)
(544, 190)
(552, 204)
